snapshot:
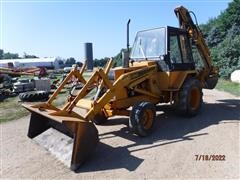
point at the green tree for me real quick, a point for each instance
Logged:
(70, 61)
(215, 36)
(227, 56)
(9, 55)
(222, 35)
(117, 60)
(100, 62)
(230, 16)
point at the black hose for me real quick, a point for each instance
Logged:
(195, 17)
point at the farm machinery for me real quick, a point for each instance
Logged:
(161, 69)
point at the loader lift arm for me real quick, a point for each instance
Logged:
(209, 75)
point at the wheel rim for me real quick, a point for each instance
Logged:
(194, 98)
(147, 119)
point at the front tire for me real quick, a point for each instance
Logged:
(142, 118)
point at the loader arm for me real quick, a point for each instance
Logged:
(209, 74)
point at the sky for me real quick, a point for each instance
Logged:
(51, 28)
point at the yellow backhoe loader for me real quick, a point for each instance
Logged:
(161, 69)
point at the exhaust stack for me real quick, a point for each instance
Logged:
(126, 54)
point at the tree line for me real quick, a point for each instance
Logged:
(9, 55)
(117, 60)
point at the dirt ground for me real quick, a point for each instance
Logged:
(170, 152)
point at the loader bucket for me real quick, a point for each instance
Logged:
(71, 122)
(84, 134)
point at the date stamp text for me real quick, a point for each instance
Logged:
(212, 157)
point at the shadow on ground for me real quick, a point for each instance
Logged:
(168, 128)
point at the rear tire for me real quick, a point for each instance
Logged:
(142, 118)
(189, 100)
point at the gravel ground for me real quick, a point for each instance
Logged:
(170, 152)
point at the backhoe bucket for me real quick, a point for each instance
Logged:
(211, 82)
(84, 134)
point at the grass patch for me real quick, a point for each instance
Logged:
(87, 75)
(60, 99)
(228, 86)
(11, 109)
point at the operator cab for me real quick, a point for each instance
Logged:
(169, 46)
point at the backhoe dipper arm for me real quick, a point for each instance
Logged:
(209, 75)
(186, 22)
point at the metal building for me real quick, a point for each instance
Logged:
(49, 62)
